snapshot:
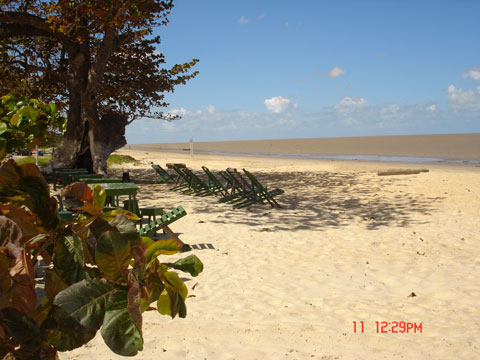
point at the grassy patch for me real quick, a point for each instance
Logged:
(115, 159)
(42, 160)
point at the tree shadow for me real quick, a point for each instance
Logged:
(312, 200)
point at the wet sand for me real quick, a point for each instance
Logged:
(449, 146)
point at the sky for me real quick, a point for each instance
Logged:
(275, 69)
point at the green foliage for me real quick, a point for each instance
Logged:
(115, 159)
(26, 122)
(103, 274)
(42, 160)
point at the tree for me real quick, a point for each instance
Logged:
(97, 58)
(26, 122)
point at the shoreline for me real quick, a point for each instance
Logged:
(451, 149)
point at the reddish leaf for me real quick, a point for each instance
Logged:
(76, 195)
(10, 232)
(134, 302)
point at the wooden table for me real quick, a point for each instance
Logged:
(180, 166)
(77, 177)
(115, 190)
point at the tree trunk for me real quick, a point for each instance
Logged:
(89, 141)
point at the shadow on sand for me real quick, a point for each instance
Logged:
(312, 200)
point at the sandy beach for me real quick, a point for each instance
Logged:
(348, 247)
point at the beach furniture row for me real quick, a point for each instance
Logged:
(231, 186)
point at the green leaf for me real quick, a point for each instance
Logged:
(53, 284)
(120, 334)
(124, 225)
(20, 326)
(99, 195)
(15, 119)
(172, 300)
(84, 303)
(162, 247)
(190, 264)
(113, 255)
(30, 113)
(3, 127)
(110, 215)
(69, 259)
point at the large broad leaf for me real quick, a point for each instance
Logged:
(190, 264)
(113, 255)
(69, 259)
(25, 185)
(172, 300)
(53, 284)
(20, 326)
(96, 228)
(21, 294)
(69, 334)
(162, 247)
(76, 194)
(134, 297)
(10, 232)
(124, 225)
(84, 303)
(110, 215)
(119, 332)
(99, 195)
(21, 217)
(33, 183)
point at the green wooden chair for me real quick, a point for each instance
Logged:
(215, 185)
(196, 185)
(183, 181)
(164, 175)
(259, 193)
(162, 222)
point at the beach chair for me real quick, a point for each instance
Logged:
(261, 192)
(216, 187)
(164, 176)
(242, 189)
(197, 185)
(183, 181)
(162, 222)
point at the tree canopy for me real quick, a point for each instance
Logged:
(99, 60)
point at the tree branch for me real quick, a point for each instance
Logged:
(23, 24)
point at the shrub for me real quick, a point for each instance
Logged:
(102, 276)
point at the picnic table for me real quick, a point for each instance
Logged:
(66, 175)
(114, 190)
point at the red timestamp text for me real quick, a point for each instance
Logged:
(390, 327)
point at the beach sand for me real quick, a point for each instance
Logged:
(347, 246)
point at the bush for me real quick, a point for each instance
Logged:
(102, 275)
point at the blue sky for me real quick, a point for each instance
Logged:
(283, 69)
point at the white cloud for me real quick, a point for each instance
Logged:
(279, 104)
(432, 107)
(243, 20)
(390, 109)
(348, 104)
(473, 73)
(211, 109)
(181, 111)
(336, 72)
(463, 99)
